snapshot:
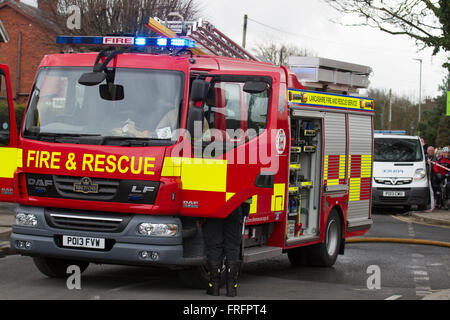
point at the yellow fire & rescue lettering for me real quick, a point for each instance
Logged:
(93, 163)
(123, 164)
(43, 159)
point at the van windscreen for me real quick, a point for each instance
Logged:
(397, 150)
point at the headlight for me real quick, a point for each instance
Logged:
(158, 229)
(419, 174)
(26, 219)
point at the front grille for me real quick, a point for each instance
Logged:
(393, 181)
(106, 190)
(92, 221)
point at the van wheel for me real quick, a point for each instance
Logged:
(422, 207)
(57, 268)
(325, 254)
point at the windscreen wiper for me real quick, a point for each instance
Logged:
(58, 137)
(133, 141)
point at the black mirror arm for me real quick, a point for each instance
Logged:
(101, 67)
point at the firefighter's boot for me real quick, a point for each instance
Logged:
(214, 269)
(232, 278)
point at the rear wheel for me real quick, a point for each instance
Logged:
(298, 256)
(325, 254)
(57, 268)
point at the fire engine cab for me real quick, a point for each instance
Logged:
(124, 153)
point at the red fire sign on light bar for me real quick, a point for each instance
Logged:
(118, 40)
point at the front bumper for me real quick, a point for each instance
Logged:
(413, 196)
(124, 246)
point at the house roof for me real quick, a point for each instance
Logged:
(35, 14)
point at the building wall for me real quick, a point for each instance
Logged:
(36, 42)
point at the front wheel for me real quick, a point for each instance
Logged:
(57, 268)
(325, 254)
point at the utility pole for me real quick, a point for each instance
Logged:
(244, 34)
(420, 88)
(390, 109)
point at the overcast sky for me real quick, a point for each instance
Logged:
(306, 23)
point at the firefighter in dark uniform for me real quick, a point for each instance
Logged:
(223, 241)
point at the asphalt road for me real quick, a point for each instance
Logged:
(407, 272)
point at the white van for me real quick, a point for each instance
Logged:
(399, 172)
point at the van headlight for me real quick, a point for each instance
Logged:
(419, 174)
(26, 219)
(158, 229)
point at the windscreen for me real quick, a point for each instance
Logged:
(397, 150)
(148, 106)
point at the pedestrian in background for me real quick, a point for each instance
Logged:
(424, 145)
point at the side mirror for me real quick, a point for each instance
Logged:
(112, 92)
(255, 86)
(92, 78)
(195, 116)
(199, 90)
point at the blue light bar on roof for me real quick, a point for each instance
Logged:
(390, 131)
(126, 41)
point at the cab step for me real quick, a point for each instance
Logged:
(260, 253)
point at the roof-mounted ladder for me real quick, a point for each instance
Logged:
(209, 40)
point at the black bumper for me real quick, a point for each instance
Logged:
(413, 196)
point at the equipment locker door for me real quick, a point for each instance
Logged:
(8, 137)
(359, 170)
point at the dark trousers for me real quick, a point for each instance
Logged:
(223, 237)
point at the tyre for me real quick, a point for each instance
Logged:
(57, 268)
(422, 207)
(407, 207)
(325, 254)
(298, 256)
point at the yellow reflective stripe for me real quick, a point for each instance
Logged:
(204, 174)
(229, 195)
(254, 204)
(198, 174)
(366, 166)
(342, 166)
(171, 167)
(8, 162)
(19, 158)
(326, 168)
(332, 182)
(277, 203)
(355, 189)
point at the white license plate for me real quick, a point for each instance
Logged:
(83, 242)
(393, 193)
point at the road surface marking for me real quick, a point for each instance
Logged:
(394, 297)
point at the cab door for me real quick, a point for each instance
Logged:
(8, 137)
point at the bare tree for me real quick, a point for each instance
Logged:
(278, 53)
(117, 16)
(426, 21)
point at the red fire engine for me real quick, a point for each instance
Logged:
(123, 153)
